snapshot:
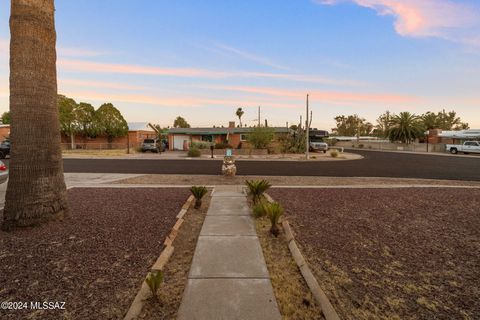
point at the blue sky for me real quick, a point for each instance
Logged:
(158, 59)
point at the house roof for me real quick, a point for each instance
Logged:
(139, 126)
(216, 131)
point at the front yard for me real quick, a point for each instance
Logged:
(391, 253)
(95, 260)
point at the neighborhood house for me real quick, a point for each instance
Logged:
(181, 138)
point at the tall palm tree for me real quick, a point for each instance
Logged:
(405, 127)
(239, 114)
(36, 189)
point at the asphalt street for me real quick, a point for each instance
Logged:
(374, 164)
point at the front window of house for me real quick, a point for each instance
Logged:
(243, 137)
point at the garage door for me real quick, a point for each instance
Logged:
(179, 142)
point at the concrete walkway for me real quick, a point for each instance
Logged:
(228, 278)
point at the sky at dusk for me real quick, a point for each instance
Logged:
(157, 59)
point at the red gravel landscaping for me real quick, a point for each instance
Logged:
(95, 260)
(391, 253)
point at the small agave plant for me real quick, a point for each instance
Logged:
(154, 280)
(274, 211)
(198, 192)
(256, 189)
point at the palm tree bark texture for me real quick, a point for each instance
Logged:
(36, 189)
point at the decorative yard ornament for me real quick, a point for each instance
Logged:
(228, 168)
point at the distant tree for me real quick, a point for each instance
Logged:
(352, 125)
(6, 117)
(66, 109)
(383, 124)
(180, 122)
(84, 115)
(294, 127)
(109, 122)
(405, 127)
(260, 137)
(443, 120)
(239, 114)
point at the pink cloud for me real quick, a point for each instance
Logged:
(447, 19)
(98, 84)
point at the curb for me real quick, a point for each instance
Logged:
(144, 293)
(327, 308)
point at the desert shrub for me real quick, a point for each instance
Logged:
(223, 145)
(256, 189)
(259, 210)
(334, 153)
(369, 147)
(200, 145)
(194, 152)
(361, 145)
(198, 192)
(330, 141)
(154, 280)
(260, 137)
(274, 211)
(353, 146)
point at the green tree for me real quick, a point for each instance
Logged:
(180, 122)
(66, 109)
(405, 127)
(109, 122)
(443, 120)
(239, 114)
(260, 137)
(6, 117)
(383, 124)
(84, 115)
(352, 125)
(36, 189)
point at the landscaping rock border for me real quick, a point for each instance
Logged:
(144, 293)
(320, 296)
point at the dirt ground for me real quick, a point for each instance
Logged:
(170, 294)
(95, 259)
(171, 179)
(293, 295)
(391, 253)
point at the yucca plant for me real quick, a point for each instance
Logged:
(198, 192)
(274, 211)
(154, 280)
(259, 210)
(256, 189)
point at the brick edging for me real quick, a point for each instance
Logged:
(325, 305)
(144, 293)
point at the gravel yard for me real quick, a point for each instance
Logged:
(391, 253)
(95, 260)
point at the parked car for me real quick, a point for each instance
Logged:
(467, 147)
(4, 149)
(152, 145)
(3, 172)
(319, 146)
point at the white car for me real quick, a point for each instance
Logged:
(467, 147)
(318, 146)
(3, 172)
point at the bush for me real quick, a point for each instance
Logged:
(198, 192)
(360, 145)
(330, 141)
(194, 152)
(274, 212)
(259, 210)
(334, 153)
(260, 137)
(256, 188)
(223, 145)
(153, 280)
(200, 145)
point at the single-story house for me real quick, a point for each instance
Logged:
(137, 131)
(181, 138)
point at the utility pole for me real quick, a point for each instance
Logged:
(307, 132)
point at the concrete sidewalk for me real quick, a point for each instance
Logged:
(228, 278)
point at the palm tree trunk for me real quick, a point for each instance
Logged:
(36, 189)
